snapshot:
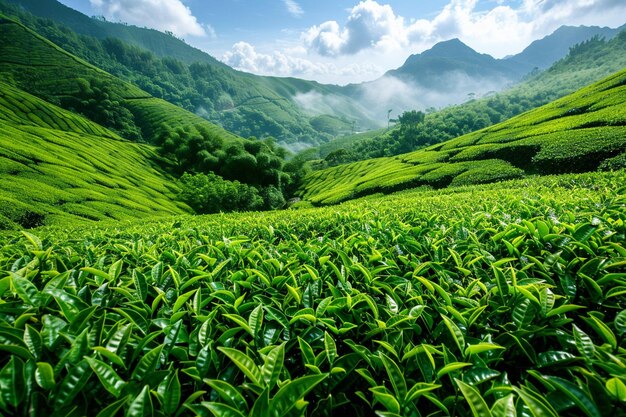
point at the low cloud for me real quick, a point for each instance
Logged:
(163, 15)
(316, 103)
(390, 92)
(244, 56)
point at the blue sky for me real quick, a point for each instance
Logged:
(343, 41)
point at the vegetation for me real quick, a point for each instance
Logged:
(242, 103)
(586, 63)
(60, 168)
(496, 300)
(580, 132)
(185, 141)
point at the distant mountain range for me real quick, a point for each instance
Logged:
(451, 72)
(289, 108)
(544, 52)
(431, 67)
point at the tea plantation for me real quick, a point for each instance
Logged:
(57, 167)
(491, 300)
(580, 132)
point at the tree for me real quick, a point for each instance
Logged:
(411, 118)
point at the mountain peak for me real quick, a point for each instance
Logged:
(450, 48)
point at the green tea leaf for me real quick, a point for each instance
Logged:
(419, 389)
(147, 364)
(456, 333)
(537, 405)
(44, 375)
(504, 407)
(141, 405)
(273, 366)
(481, 347)
(33, 341)
(602, 329)
(576, 394)
(228, 393)
(387, 400)
(244, 363)
(474, 399)
(12, 383)
(109, 379)
(617, 389)
(395, 376)
(330, 347)
(72, 384)
(620, 322)
(584, 344)
(290, 393)
(172, 393)
(112, 409)
(26, 290)
(451, 367)
(222, 410)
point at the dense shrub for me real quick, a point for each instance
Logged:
(209, 193)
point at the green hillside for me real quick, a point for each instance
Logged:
(161, 44)
(43, 69)
(243, 103)
(189, 146)
(586, 63)
(60, 168)
(580, 132)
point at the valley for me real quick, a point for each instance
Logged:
(181, 238)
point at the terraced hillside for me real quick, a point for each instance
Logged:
(41, 68)
(580, 132)
(58, 167)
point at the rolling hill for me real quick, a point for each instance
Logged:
(168, 68)
(161, 44)
(60, 168)
(184, 142)
(580, 132)
(42, 68)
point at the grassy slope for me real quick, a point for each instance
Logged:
(573, 134)
(42, 68)
(56, 167)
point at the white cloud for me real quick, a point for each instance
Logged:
(245, 57)
(369, 25)
(164, 15)
(504, 29)
(293, 8)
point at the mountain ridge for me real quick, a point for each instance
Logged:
(454, 55)
(543, 52)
